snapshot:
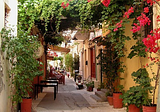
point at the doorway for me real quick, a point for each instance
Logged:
(93, 63)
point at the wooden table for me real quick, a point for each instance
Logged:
(46, 83)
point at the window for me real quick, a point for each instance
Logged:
(148, 28)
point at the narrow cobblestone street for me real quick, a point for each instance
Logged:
(70, 99)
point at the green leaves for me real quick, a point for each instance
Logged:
(137, 50)
(138, 95)
(69, 62)
(20, 51)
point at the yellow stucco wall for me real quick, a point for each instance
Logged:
(131, 64)
(5, 102)
(134, 63)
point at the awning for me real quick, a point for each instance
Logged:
(60, 49)
(50, 57)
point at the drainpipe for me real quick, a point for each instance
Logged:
(101, 64)
(158, 100)
(95, 61)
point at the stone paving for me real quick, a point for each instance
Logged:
(70, 99)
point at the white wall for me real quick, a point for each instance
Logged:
(5, 102)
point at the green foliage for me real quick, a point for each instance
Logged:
(138, 95)
(58, 58)
(69, 62)
(138, 50)
(101, 86)
(76, 62)
(20, 51)
(111, 65)
(90, 84)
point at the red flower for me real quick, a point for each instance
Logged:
(158, 18)
(150, 2)
(130, 11)
(89, 0)
(105, 2)
(135, 28)
(142, 20)
(118, 25)
(151, 42)
(64, 6)
(146, 9)
(144, 66)
(67, 4)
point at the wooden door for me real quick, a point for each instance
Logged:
(93, 64)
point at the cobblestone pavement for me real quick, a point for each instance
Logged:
(70, 99)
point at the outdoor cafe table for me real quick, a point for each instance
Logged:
(47, 83)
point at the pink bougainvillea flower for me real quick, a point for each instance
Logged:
(130, 11)
(135, 28)
(115, 29)
(143, 20)
(118, 25)
(144, 66)
(105, 2)
(146, 10)
(67, 4)
(151, 42)
(158, 18)
(150, 2)
(64, 6)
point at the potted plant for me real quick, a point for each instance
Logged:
(90, 85)
(136, 96)
(109, 98)
(150, 105)
(101, 86)
(20, 51)
(111, 67)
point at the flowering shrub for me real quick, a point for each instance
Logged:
(152, 40)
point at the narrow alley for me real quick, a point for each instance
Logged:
(70, 99)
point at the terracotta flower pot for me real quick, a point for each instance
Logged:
(133, 108)
(149, 108)
(117, 101)
(89, 88)
(110, 100)
(26, 105)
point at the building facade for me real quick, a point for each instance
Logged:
(8, 16)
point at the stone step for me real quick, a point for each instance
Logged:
(95, 97)
(102, 95)
(104, 90)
